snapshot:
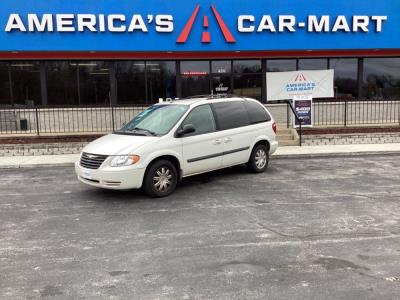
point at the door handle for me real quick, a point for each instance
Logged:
(228, 140)
(217, 142)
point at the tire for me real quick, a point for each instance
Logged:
(259, 159)
(161, 179)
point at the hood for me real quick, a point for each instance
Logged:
(113, 144)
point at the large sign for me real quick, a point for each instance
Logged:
(303, 106)
(286, 85)
(203, 25)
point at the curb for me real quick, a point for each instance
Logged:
(275, 156)
(30, 166)
(337, 154)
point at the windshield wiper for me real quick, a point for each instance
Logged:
(146, 130)
(126, 132)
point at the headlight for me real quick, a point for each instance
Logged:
(124, 160)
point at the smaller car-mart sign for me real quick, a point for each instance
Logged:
(286, 85)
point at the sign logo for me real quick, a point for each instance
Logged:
(221, 88)
(206, 35)
(300, 77)
(301, 85)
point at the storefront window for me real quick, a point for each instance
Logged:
(161, 80)
(131, 86)
(195, 85)
(346, 70)
(62, 85)
(247, 66)
(94, 82)
(221, 66)
(195, 78)
(5, 97)
(281, 65)
(381, 78)
(247, 80)
(313, 64)
(248, 85)
(195, 68)
(88, 82)
(82, 83)
(25, 82)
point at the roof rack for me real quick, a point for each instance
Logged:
(196, 96)
(213, 96)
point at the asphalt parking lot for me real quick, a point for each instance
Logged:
(317, 228)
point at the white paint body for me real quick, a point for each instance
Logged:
(184, 149)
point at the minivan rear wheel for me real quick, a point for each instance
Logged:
(259, 159)
(161, 179)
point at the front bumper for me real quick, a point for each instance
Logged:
(118, 178)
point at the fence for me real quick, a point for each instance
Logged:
(57, 120)
(347, 113)
(350, 113)
(95, 119)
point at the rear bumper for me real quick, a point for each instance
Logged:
(123, 178)
(272, 147)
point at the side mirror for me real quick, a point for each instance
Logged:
(188, 128)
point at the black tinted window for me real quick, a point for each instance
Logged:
(231, 115)
(257, 113)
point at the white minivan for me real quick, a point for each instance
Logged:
(172, 140)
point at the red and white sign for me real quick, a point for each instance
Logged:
(286, 85)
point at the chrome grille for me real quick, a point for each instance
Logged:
(92, 161)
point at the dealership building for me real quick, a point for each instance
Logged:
(108, 52)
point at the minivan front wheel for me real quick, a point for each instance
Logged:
(259, 159)
(161, 179)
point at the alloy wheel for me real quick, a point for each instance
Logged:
(261, 159)
(162, 179)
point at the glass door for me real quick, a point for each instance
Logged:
(221, 76)
(221, 84)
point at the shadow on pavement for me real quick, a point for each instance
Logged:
(183, 188)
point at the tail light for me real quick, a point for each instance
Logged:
(274, 127)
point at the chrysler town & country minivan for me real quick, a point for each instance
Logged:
(172, 140)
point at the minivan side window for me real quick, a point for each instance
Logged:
(257, 113)
(202, 118)
(231, 115)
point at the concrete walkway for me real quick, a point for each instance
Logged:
(283, 152)
(338, 150)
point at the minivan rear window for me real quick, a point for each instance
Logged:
(231, 114)
(257, 113)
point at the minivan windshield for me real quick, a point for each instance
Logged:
(156, 120)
